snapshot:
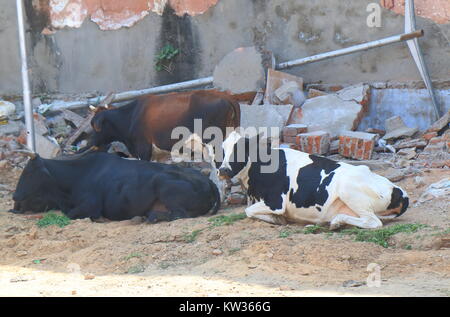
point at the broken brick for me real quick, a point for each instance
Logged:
(312, 93)
(294, 129)
(429, 135)
(317, 142)
(441, 123)
(357, 145)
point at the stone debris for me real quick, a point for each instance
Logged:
(46, 148)
(396, 129)
(352, 283)
(71, 116)
(440, 124)
(407, 153)
(334, 113)
(436, 190)
(416, 143)
(7, 109)
(283, 88)
(240, 71)
(265, 116)
(317, 142)
(291, 131)
(312, 93)
(357, 145)
(40, 126)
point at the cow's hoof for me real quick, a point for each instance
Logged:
(152, 218)
(14, 211)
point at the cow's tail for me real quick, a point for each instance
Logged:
(216, 199)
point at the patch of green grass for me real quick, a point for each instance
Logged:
(51, 218)
(381, 236)
(314, 229)
(136, 269)
(223, 220)
(133, 255)
(233, 250)
(285, 233)
(190, 237)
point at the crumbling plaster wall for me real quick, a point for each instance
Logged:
(85, 58)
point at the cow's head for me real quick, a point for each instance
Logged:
(397, 203)
(36, 188)
(104, 129)
(239, 151)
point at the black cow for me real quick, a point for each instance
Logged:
(99, 185)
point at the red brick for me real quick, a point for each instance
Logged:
(289, 139)
(436, 140)
(357, 145)
(317, 142)
(429, 136)
(294, 129)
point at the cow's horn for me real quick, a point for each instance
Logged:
(92, 107)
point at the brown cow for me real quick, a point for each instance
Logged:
(149, 120)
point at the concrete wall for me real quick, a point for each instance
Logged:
(87, 59)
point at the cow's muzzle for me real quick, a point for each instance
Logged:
(225, 173)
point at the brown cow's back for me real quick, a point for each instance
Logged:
(160, 114)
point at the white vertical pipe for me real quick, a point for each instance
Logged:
(31, 144)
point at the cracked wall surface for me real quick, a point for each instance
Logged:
(115, 14)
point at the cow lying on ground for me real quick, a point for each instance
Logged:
(147, 123)
(309, 188)
(103, 185)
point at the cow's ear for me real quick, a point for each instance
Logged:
(97, 122)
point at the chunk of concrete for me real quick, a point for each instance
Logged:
(283, 88)
(329, 113)
(396, 129)
(40, 127)
(240, 71)
(71, 116)
(46, 148)
(441, 123)
(359, 93)
(265, 116)
(7, 109)
(312, 93)
(11, 128)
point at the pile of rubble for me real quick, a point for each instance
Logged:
(51, 135)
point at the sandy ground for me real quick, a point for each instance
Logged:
(247, 258)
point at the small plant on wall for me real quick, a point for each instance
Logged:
(164, 60)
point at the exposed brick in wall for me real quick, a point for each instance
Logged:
(115, 14)
(436, 10)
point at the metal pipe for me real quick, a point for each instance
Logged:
(351, 49)
(31, 144)
(128, 95)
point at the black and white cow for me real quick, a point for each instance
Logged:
(310, 188)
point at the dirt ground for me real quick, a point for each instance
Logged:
(189, 257)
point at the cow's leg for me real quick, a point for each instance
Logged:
(365, 221)
(263, 212)
(90, 207)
